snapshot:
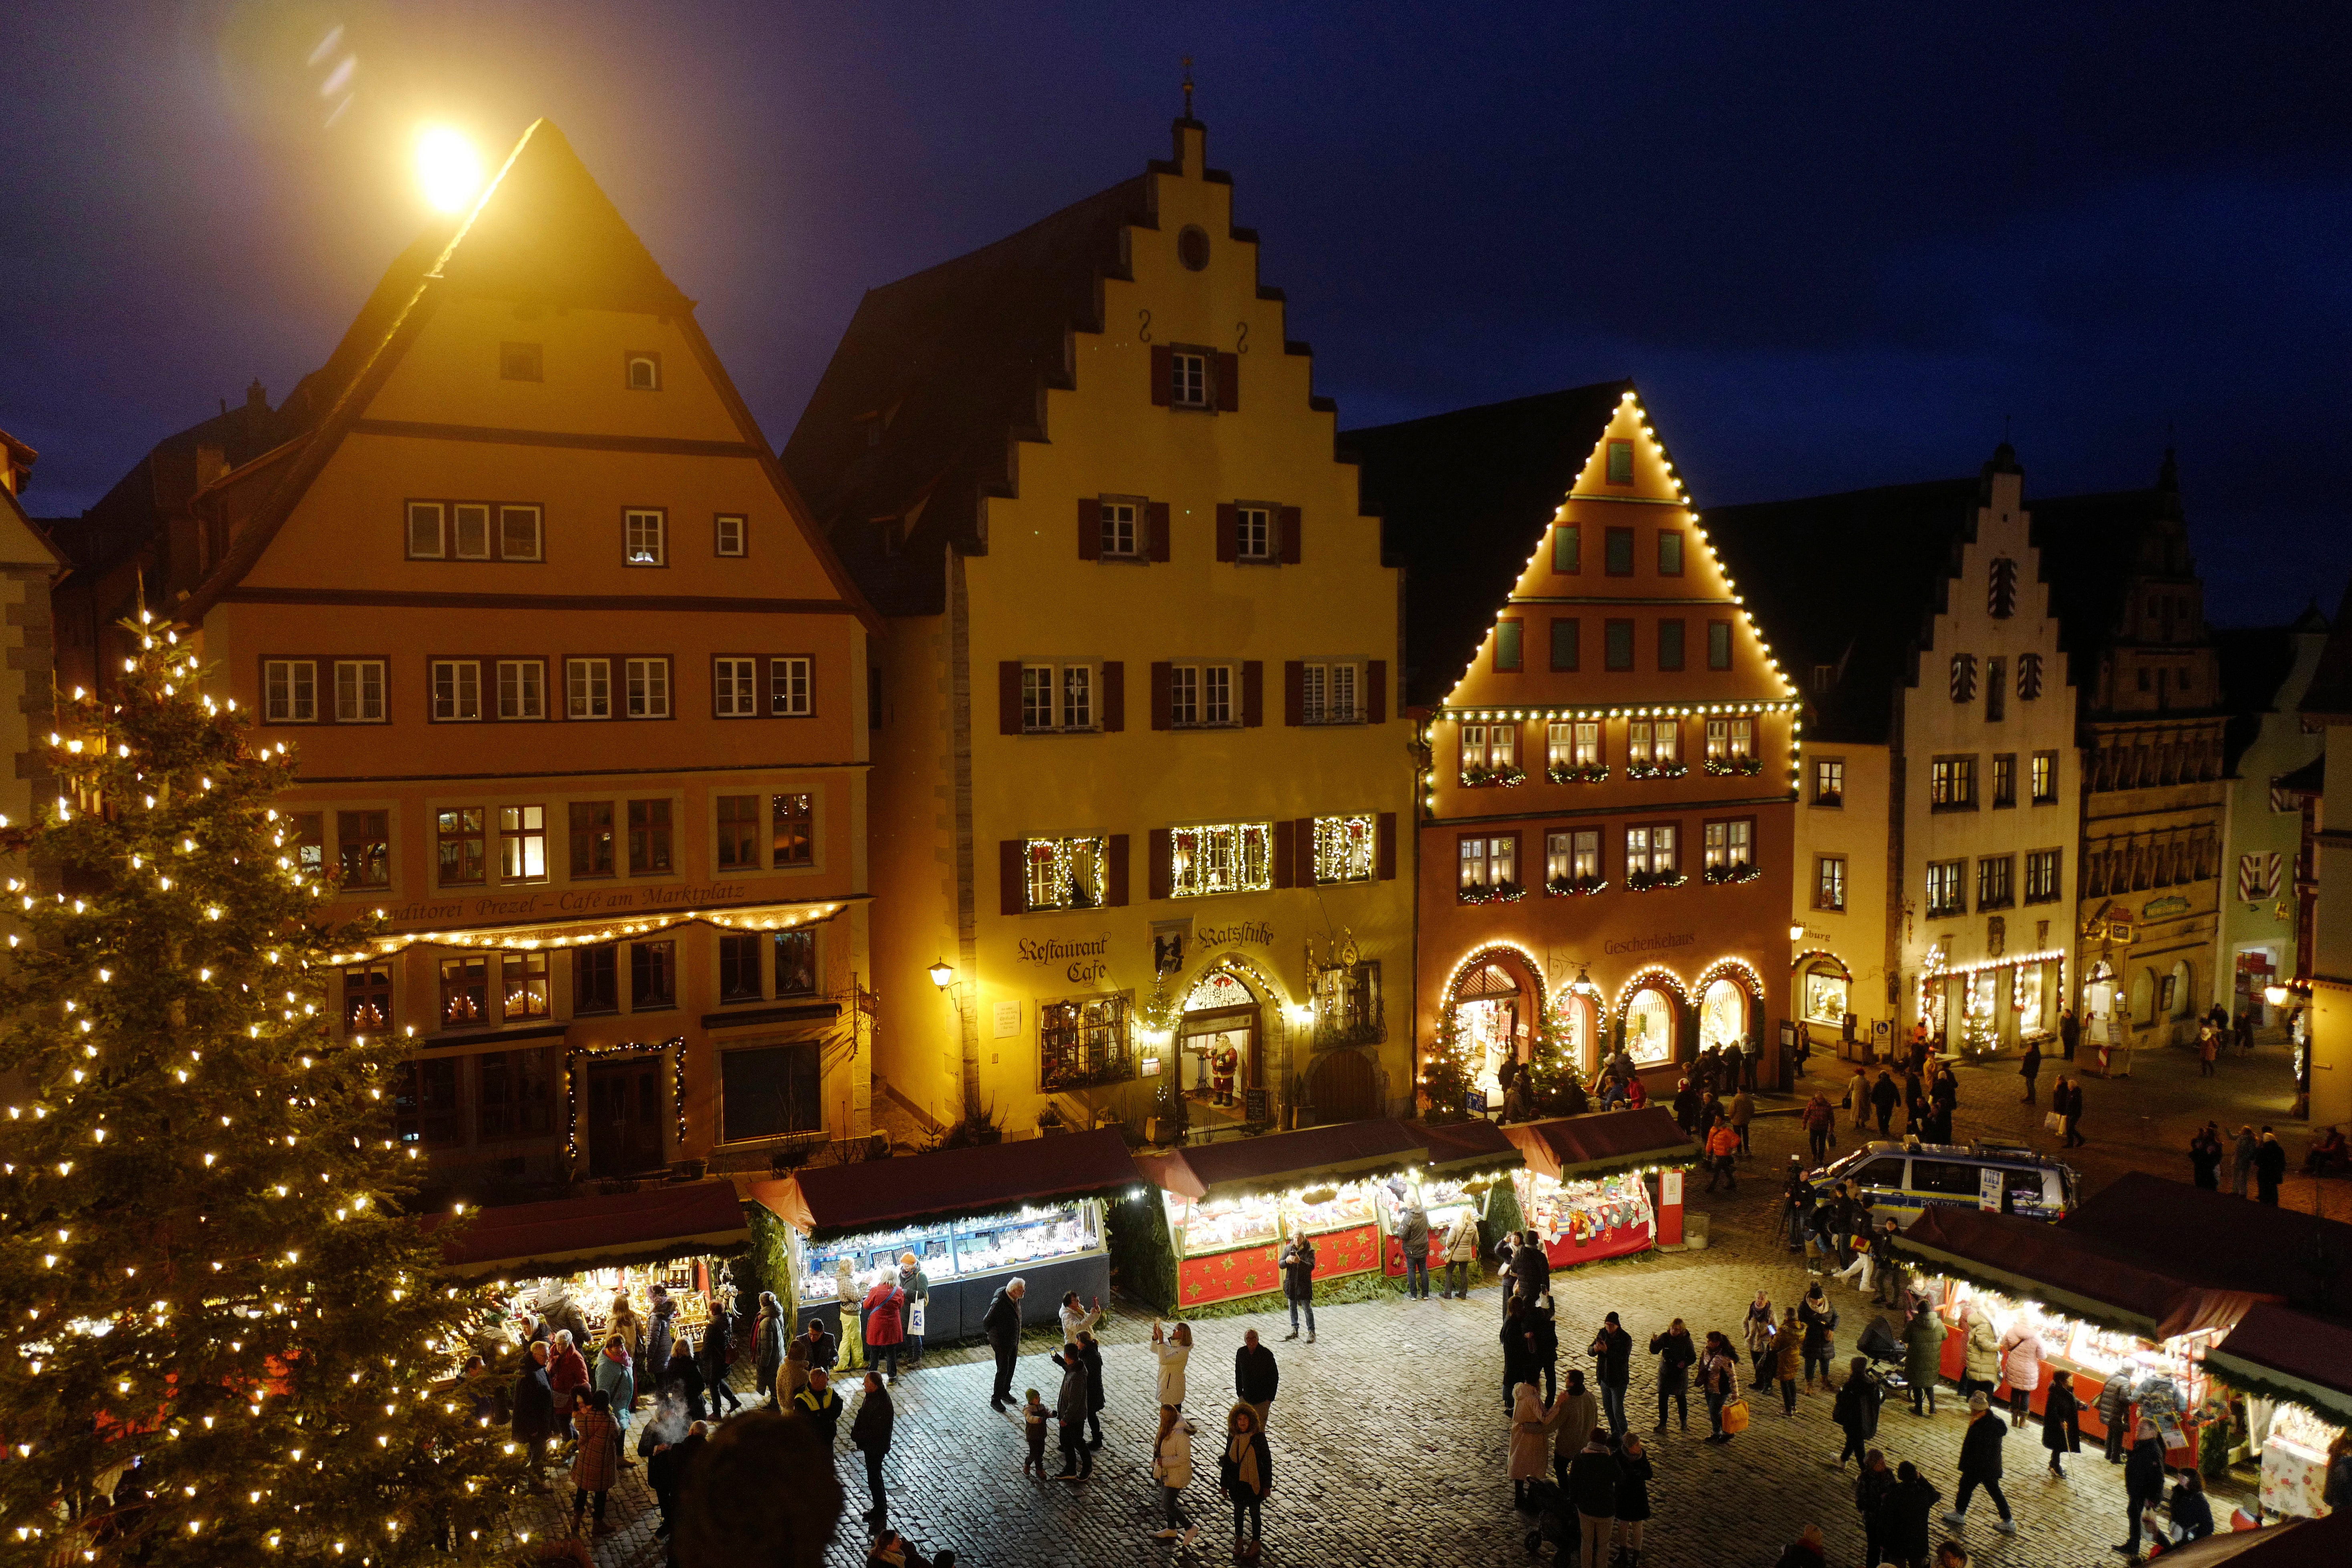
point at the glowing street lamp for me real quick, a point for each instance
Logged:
(447, 167)
(943, 974)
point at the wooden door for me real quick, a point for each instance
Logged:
(625, 1117)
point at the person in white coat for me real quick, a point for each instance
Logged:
(1171, 1465)
(2020, 1366)
(1075, 1318)
(1174, 1348)
(1461, 1253)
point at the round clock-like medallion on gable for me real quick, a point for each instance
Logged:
(1193, 247)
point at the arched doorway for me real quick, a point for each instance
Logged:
(2143, 998)
(1651, 1027)
(1722, 1015)
(1343, 1086)
(1220, 1046)
(2180, 1000)
(1496, 1002)
(1580, 1032)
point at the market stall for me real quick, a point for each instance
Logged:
(564, 1263)
(2298, 1366)
(1466, 1159)
(1585, 1190)
(976, 1218)
(1231, 1206)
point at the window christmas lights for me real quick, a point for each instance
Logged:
(197, 1233)
(674, 1047)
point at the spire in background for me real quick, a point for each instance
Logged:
(1188, 87)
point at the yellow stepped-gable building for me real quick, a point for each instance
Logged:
(1137, 766)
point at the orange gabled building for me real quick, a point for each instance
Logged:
(1606, 808)
(578, 694)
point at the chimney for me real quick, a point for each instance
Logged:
(257, 398)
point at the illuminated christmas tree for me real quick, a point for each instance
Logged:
(203, 1264)
(1445, 1074)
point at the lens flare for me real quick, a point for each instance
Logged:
(447, 167)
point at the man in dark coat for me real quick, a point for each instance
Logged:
(666, 1471)
(1980, 1463)
(1413, 1234)
(1612, 1368)
(2030, 1069)
(1884, 1098)
(870, 1434)
(534, 1411)
(1530, 1270)
(1943, 1094)
(1299, 1284)
(2270, 1166)
(1003, 1325)
(717, 1351)
(1091, 1357)
(1256, 1378)
(2205, 1156)
(2143, 1482)
(823, 1348)
(1592, 1478)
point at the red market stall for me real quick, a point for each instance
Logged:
(1232, 1205)
(1584, 1187)
(1465, 1160)
(2301, 1364)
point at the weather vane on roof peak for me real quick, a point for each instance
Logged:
(1188, 87)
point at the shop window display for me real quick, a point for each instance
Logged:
(1722, 1015)
(1650, 1029)
(1229, 1248)
(1825, 997)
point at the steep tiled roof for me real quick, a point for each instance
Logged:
(2330, 693)
(2255, 662)
(1465, 498)
(936, 378)
(1850, 581)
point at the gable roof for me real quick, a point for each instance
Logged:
(936, 378)
(23, 541)
(2329, 695)
(2257, 665)
(1463, 499)
(541, 232)
(1895, 548)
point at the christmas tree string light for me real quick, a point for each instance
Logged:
(204, 1253)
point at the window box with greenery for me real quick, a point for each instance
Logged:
(1481, 775)
(1494, 893)
(1577, 773)
(1657, 769)
(1723, 767)
(1644, 880)
(1575, 886)
(1736, 873)
(1083, 1043)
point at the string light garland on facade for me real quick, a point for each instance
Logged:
(675, 1046)
(1937, 970)
(1613, 711)
(1729, 965)
(1643, 979)
(765, 918)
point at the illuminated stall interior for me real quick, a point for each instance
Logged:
(1992, 1006)
(1585, 1188)
(2297, 1368)
(974, 1218)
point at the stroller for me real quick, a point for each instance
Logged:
(1555, 1519)
(1879, 1342)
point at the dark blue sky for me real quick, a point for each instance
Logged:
(1836, 243)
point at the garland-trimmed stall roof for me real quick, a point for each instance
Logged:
(1579, 1148)
(2286, 1544)
(2085, 1276)
(2253, 1247)
(1275, 1162)
(2293, 1355)
(828, 1201)
(610, 1230)
(1465, 1149)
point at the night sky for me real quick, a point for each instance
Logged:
(1837, 245)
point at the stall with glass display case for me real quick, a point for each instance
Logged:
(564, 1263)
(1232, 1206)
(975, 1219)
(1586, 1187)
(1465, 1160)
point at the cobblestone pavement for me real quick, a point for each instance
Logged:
(1389, 1439)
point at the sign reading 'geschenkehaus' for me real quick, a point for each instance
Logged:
(573, 902)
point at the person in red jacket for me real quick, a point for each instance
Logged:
(1722, 1150)
(567, 1374)
(885, 1324)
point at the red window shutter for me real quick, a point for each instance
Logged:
(1519, 861)
(1114, 696)
(1286, 852)
(1229, 383)
(1384, 847)
(1307, 851)
(1156, 515)
(1089, 528)
(1115, 872)
(1164, 372)
(1161, 873)
(1163, 695)
(1229, 523)
(1008, 698)
(1253, 694)
(1285, 522)
(1294, 692)
(1013, 870)
(1376, 691)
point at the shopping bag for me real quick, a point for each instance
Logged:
(1735, 1415)
(2055, 1122)
(915, 1317)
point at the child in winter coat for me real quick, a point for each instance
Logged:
(1171, 1465)
(1033, 1416)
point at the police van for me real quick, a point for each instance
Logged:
(1902, 1181)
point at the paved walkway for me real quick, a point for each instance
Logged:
(1389, 1439)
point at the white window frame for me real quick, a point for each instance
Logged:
(646, 684)
(1086, 857)
(365, 680)
(644, 537)
(1206, 859)
(1829, 882)
(792, 687)
(1072, 696)
(439, 515)
(1188, 372)
(734, 685)
(1651, 847)
(290, 691)
(651, 363)
(537, 550)
(1947, 891)
(465, 514)
(1253, 532)
(456, 689)
(1331, 691)
(521, 689)
(1347, 848)
(1123, 528)
(732, 535)
(1730, 841)
(587, 688)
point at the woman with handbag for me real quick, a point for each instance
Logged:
(1245, 1474)
(883, 1324)
(2062, 1422)
(1719, 1379)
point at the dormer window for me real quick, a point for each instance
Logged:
(1621, 463)
(641, 372)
